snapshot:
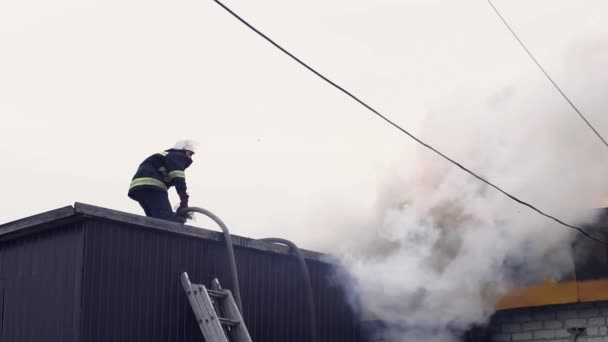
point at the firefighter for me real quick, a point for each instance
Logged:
(157, 174)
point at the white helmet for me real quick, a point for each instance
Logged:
(186, 145)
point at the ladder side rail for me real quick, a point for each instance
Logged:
(211, 317)
(195, 305)
(239, 333)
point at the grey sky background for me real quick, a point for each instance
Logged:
(90, 88)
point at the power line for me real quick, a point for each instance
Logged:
(349, 94)
(547, 74)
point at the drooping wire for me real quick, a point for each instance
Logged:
(547, 74)
(349, 94)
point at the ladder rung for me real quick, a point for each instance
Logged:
(217, 294)
(229, 322)
(209, 305)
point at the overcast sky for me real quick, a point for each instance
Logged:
(88, 89)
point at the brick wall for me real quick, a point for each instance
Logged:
(551, 323)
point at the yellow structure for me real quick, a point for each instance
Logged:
(550, 293)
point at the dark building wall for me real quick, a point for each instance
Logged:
(131, 289)
(40, 279)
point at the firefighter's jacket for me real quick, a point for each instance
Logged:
(161, 171)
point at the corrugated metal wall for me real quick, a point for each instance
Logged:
(132, 290)
(40, 278)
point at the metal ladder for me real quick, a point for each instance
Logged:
(210, 306)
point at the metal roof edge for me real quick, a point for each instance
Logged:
(37, 220)
(198, 232)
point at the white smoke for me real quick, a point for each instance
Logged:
(444, 247)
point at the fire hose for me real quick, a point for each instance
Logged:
(228, 240)
(310, 301)
(234, 273)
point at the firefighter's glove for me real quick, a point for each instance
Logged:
(183, 197)
(182, 216)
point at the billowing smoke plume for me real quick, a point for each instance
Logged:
(444, 247)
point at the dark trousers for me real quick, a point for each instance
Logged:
(155, 203)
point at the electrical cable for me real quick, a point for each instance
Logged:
(346, 92)
(547, 74)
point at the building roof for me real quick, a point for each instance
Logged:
(81, 211)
